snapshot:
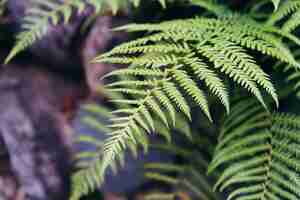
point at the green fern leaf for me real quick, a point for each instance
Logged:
(221, 61)
(36, 24)
(136, 72)
(215, 84)
(175, 95)
(193, 90)
(165, 101)
(292, 23)
(256, 150)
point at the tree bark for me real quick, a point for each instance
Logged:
(35, 133)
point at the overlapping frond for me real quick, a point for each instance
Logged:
(288, 11)
(238, 29)
(90, 174)
(42, 14)
(292, 75)
(188, 176)
(89, 162)
(258, 154)
(148, 101)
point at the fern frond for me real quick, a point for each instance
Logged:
(208, 37)
(129, 127)
(87, 178)
(185, 59)
(259, 161)
(236, 28)
(36, 23)
(179, 52)
(43, 14)
(292, 75)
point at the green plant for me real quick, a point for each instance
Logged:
(178, 70)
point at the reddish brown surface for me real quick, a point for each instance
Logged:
(99, 40)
